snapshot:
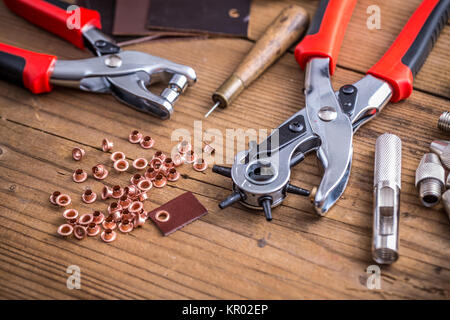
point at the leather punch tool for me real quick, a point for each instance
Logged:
(125, 74)
(261, 174)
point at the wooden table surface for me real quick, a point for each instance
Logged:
(232, 253)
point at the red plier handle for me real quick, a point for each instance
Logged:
(408, 53)
(401, 62)
(326, 32)
(55, 17)
(31, 69)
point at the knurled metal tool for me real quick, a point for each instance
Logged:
(261, 174)
(125, 74)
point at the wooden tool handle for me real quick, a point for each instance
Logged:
(279, 36)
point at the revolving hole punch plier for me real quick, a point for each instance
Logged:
(261, 174)
(125, 74)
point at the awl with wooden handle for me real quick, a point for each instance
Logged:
(286, 29)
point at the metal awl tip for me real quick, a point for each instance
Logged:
(212, 109)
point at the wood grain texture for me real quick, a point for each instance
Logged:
(232, 253)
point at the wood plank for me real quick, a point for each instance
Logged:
(228, 254)
(191, 250)
(337, 245)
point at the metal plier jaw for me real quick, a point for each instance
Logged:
(126, 75)
(261, 174)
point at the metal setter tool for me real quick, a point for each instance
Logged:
(261, 174)
(279, 36)
(125, 74)
(387, 185)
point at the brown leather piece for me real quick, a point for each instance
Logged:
(131, 18)
(201, 16)
(182, 210)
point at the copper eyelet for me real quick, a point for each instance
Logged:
(200, 165)
(135, 137)
(190, 157)
(131, 191)
(124, 201)
(160, 181)
(107, 145)
(109, 222)
(79, 176)
(173, 175)
(162, 216)
(184, 147)
(127, 215)
(139, 219)
(93, 229)
(63, 200)
(53, 197)
(177, 159)
(73, 222)
(144, 185)
(79, 232)
(86, 219)
(99, 172)
(140, 164)
(156, 163)
(106, 192)
(151, 173)
(168, 163)
(118, 155)
(117, 215)
(121, 165)
(143, 196)
(89, 196)
(159, 155)
(136, 178)
(99, 217)
(117, 192)
(78, 154)
(208, 149)
(136, 206)
(108, 235)
(126, 226)
(65, 230)
(113, 207)
(70, 214)
(147, 142)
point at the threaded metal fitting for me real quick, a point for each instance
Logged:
(430, 176)
(442, 149)
(444, 121)
(446, 200)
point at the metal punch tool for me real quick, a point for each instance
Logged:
(387, 183)
(261, 174)
(125, 74)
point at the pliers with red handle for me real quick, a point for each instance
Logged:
(261, 174)
(125, 74)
